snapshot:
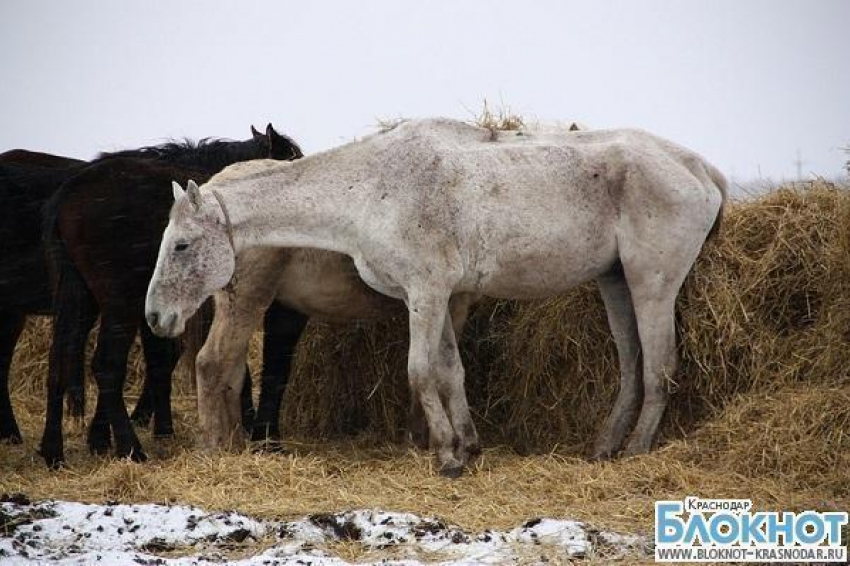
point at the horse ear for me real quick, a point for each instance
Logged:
(177, 190)
(255, 133)
(194, 194)
(574, 127)
(271, 133)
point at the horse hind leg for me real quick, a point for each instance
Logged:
(72, 322)
(459, 311)
(11, 325)
(453, 393)
(623, 323)
(282, 331)
(656, 324)
(246, 402)
(656, 261)
(427, 317)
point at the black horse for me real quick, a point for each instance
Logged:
(102, 231)
(27, 179)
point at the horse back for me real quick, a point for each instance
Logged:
(37, 159)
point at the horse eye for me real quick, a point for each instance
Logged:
(181, 246)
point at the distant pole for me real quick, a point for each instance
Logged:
(799, 164)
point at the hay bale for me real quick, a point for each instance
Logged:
(765, 307)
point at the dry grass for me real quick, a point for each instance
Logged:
(761, 408)
(501, 120)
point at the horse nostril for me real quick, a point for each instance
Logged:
(153, 318)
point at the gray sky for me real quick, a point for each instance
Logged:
(745, 83)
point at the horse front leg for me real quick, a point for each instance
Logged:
(161, 356)
(427, 314)
(220, 371)
(143, 411)
(282, 331)
(11, 325)
(110, 368)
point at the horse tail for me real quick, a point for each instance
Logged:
(722, 185)
(74, 307)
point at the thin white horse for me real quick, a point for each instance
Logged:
(436, 209)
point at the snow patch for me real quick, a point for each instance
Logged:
(67, 533)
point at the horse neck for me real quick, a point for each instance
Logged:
(297, 207)
(218, 155)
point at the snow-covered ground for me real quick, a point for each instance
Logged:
(61, 532)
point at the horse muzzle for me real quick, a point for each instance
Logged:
(163, 324)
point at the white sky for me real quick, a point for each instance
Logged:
(745, 83)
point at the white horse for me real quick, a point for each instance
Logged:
(436, 210)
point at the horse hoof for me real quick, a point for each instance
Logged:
(141, 421)
(99, 448)
(166, 434)
(54, 461)
(451, 472)
(632, 451)
(269, 447)
(76, 403)
(99, 441)
(11, 438)
(264, 433)
(136, 454)
(602, 456)
(420, 441)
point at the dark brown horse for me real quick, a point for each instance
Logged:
(102, 231)
(27, 179)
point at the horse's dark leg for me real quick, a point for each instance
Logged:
(246, 401)
(110, 369)
(11, 325)
(161, 355)
(74, 317)
(282, 330)
(143, 411)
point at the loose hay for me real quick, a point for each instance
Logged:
(759, 410)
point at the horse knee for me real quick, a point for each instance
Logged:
(207, 366)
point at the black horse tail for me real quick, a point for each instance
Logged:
(74, 309)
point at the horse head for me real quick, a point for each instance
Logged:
(196, 258)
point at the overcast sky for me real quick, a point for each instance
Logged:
(745, 83)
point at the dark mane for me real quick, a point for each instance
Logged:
(208, 153)
(213, 154)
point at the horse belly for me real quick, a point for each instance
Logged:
(328, 287)
(547, 261)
